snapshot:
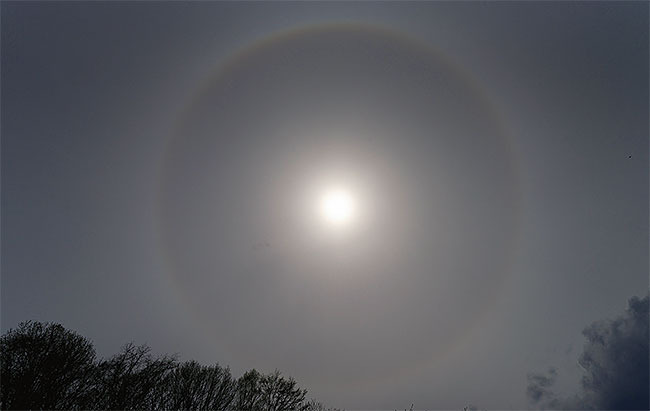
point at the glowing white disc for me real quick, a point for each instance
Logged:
(337, 206)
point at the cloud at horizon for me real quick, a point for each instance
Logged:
(615, 364)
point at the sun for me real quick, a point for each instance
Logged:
(338, 207)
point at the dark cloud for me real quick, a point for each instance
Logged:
(539, 385)
(615, 364)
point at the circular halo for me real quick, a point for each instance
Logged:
(249, 90)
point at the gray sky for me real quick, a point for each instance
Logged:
(162, 165)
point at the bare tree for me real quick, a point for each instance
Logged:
(271, 392)
(192, 386)
(249, 393)
(313, 405)
(132, 379)
(279, 393)
(45, 366)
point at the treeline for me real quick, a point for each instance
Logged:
(45, 366)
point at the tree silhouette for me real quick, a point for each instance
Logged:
(132, 379)
(314, 405)
(249, 391)
(269, 392)
(279, 393)
(192, 386)
(45, 366)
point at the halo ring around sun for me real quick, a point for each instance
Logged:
(188, 223)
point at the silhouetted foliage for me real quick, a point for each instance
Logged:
(279, 393)
(314, 405)
(131, 379)
(272, 392)
(248, 391)
(192, 386)
(45, 366)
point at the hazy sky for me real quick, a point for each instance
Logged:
(163, 166)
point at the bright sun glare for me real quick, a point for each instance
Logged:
(337, 207)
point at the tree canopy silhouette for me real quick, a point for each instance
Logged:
(45, 366)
